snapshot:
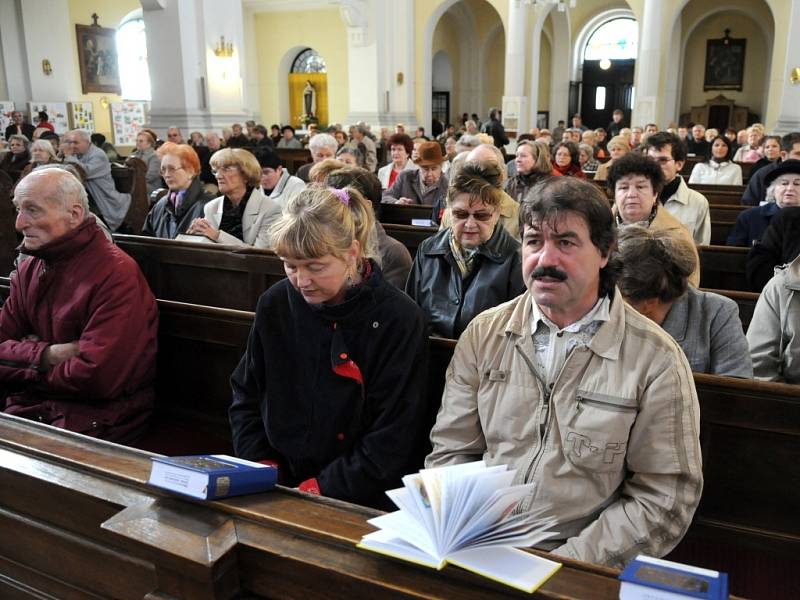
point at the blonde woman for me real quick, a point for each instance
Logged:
(242, 215)
(331, 385)
(617, 148)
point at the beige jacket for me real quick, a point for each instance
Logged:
(691, 209)
(259, 215)
(774, 332)
(613, 448)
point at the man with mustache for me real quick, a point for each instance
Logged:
(578, 392)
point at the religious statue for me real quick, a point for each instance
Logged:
(310, 99)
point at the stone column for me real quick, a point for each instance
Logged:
(789, 107)
(515, 110)
(192, 87)
(647, 105)
(380, 56)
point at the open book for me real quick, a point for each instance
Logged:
(464, 515)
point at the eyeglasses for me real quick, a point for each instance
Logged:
(169, 170)
(463, 215)
(662, 160)
(225, 169)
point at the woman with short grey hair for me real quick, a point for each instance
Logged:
(655, 280)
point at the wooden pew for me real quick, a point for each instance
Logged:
(723, 219)
(402, 214)
(294, 158)
(207, 274)
(722, 268)
(79, 521)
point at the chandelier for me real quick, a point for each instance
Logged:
(561, 4)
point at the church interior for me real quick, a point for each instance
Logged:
(77, 518)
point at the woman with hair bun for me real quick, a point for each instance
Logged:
(656, 267)
(331, 385)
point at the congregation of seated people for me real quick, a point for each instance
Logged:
(568, 270)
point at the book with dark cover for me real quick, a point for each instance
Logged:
(211, 476)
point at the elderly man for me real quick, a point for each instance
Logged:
(174, 135)
(578, 392)
(696, 143)
(113, 205)
(19, 127)
(686, 205)
(427, 185)
(370, 153)
(78, 331)
(321, 146)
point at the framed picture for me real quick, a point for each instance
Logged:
(97, 55)
(724, 63)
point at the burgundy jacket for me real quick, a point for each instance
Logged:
(81, 287)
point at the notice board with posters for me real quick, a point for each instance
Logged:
(127, 119)
(6, 108)
(81, 116)
(56, 114)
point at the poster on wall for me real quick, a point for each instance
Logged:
(127, 119)
(6, 108)
(56, 114)
(81, 116)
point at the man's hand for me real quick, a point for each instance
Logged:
(58, 353)
(405, 200)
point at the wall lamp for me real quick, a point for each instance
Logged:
(223, 49)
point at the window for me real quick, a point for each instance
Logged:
(309, 61)
(600, 98)
(616, 40)
(134, 73)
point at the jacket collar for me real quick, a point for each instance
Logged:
(677, 319)
(253, 203)
(606, 342)
(792, 281)
(68, 244)
(681, 194)
(490, 250)
(278, 189)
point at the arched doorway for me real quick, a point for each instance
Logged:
(308, 89)
(609, 60)
(442, 87)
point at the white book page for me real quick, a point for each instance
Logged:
(519, 569)
(498, 506)
(385, 543)
(401, 525)
(481, 487)
(419, 495)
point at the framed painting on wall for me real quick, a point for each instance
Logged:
(543, 119)
(724, 63)
(97, 56)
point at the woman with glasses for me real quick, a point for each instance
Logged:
(185, 197)
(145, 151)
(471, 265)
(242, 216)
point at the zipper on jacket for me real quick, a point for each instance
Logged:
(545, 391)
(604, 405)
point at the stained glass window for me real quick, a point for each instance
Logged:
(617, 39)
(309, 61)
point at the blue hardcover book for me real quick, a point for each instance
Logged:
(647, 578)
(211, 476)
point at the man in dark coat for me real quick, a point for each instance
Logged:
(495, 128)
(17, 126)
(78, 331)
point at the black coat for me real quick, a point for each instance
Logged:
(290, 405)
(27, 130)
(162, 222)
(451, 302)
(779, 245)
